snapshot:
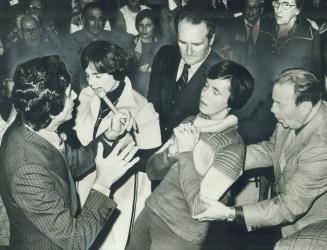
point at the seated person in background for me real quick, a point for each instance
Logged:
(202, 159)
(105, 66)
(94, 22)
(77, 22)
(32, 42)
(36, 182)
(129, 12)
(147, 43)
(298, 151)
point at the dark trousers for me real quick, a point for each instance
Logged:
(150, 232)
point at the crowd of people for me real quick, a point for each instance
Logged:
(163, 124)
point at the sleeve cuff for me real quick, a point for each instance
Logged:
(101, 189)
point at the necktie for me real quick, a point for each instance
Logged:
(183, 79)
(250, 40)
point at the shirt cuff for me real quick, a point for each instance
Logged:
(101, 189)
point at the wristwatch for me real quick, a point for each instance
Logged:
(231, 215)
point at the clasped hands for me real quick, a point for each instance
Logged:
(185, 137)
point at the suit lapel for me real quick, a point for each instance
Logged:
(300, 140)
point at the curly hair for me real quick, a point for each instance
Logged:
(107, 58)
(39, 90)
(241, 82)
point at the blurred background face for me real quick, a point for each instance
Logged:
(285, 11)
(100, 80)
(193, 41)
(30, 31)
(284, 108)
(133, 5)
(35, 8)
(214, 97)
(82, 3)
(94, 20)
(252, 10)
(146, 28)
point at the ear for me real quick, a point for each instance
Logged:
(212, 39)
(297, 11)
(305, 107)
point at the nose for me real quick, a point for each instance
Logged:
(188, 49)
(273, 108)
(73, 95)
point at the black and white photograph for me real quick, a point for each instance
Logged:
(163, 124)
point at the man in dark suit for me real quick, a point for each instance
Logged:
(36, 181)
(179, 72)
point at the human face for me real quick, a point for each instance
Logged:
(100, 80)
(284, 108)
(31, 32)
(82, 3)
(214, 98)
(35, 8)
(252, 11)
(66, 113)
(283, 16)
(94, 21)
(133, 5)
(193, 41)
(146, 28)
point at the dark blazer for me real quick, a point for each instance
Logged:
(162, 87)
(39, 193)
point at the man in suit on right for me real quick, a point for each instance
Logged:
(298, 151)
(179, 72)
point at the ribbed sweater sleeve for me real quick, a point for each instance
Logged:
(224, 170)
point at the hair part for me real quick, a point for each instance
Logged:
(241, 82)
(307, 87)
(39, 90)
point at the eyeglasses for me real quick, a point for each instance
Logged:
(285, 5)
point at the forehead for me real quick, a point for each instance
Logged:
(221, 84)
(94, 12)
(292, 2)
(252, 2)
(188, 31)
(283, 93)
(146, 20)
(27, 23)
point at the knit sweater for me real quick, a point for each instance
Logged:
(213, 166)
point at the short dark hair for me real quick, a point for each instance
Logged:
(307, 87)
(196, 17)
(107, 58)
(92, 5)
(241, 81)
(299, 3)
(148, 13)
(39, 90)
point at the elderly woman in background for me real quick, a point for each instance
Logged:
(147, 43)
(106, 66)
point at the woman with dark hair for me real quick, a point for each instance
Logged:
(201, 160)
(106, 66)
(147, 43)
(36, 181)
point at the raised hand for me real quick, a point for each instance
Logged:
(115, 165)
